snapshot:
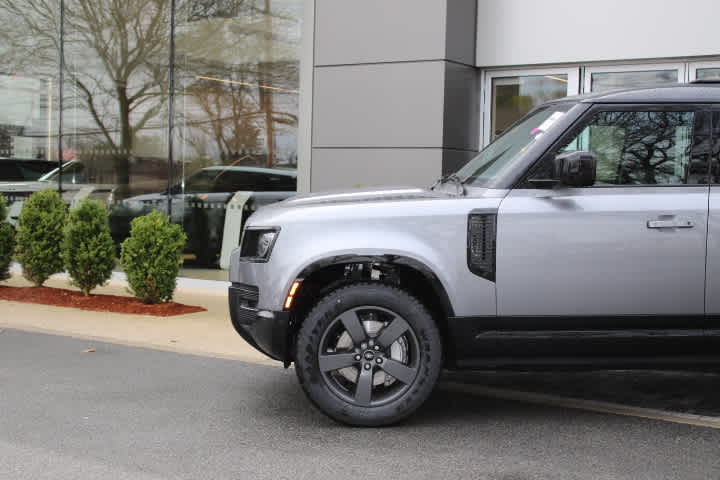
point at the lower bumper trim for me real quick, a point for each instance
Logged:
(265, 331)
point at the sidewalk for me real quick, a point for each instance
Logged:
(204, 333)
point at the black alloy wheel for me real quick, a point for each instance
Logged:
(368, 354)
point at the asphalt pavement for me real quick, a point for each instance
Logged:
(132, 413)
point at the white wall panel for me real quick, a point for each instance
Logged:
(523, 32)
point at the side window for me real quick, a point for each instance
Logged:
(9, 172)
(200, 182)
(281, 183)
(641, 147)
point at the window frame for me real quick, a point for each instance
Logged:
(693, 67)
(632, 67)
(589, 115)
(573, 88)
(687, 72)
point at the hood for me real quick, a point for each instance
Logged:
(358, 195)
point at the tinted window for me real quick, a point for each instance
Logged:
(201, 182)
(233, 181)
(641, 148)
(35, 170)
(9, 172)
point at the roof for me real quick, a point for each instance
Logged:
(290, 172)
(677, 93)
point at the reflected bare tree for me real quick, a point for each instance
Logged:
(116, 63)
(653, 144)
(240, 74)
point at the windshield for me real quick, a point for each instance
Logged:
(495, 159)
(71, 170)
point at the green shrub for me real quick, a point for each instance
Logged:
(87, 249)
(7, 241)
(151, 257)
(3, 208)
(40, 236)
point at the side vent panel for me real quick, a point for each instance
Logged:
(482, 232)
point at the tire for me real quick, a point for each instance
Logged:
(398, 345)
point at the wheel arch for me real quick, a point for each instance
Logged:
(327, 274)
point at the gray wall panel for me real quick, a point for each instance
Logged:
(367, 167)
(461, 128)
(385, 105)
(368, 31)
(461, 18)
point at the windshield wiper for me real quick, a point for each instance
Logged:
(451, 178)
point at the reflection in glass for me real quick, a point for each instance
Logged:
(236, 116)
(641, 148)
(235, 123)
(502, 154)
(602, 81)
(513, 97)
(115, 120)
(28, 97)
(708, 73)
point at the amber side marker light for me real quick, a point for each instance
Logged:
(291, 294)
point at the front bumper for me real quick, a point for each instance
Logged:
(265, 330)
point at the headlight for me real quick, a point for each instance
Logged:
(257, 243)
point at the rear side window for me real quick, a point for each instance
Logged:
(642, 147)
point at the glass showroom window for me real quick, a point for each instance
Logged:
(236, 119)
(512, 96)
(600, 79)
(705, 71)
(235, 110)
(28, 98)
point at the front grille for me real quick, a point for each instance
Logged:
(482, 233)
(245, 316)
(247, 292)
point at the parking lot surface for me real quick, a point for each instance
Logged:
(125, 412)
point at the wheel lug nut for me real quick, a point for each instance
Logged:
(367, 366)
(377, 347)
(379, 360)
(357, 358)
(363, 345)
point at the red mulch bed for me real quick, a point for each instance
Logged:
(100, 303)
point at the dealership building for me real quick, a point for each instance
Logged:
(210, 108)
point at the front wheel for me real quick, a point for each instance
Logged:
(368, 354)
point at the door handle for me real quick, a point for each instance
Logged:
(671, 223)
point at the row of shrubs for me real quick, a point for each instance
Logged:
(50, 239)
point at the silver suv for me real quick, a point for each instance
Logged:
(586, 236)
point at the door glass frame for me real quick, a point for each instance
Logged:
(631, 67)
(573, 85)
(693, 67)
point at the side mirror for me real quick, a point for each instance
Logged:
(576, 168)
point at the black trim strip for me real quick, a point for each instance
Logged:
(589, 362)
(580, 323)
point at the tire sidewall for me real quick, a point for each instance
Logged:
(358, 295)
